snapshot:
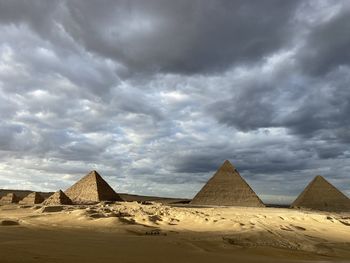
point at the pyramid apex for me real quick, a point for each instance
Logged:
(94, 172)
(319, 177)
(227, 164)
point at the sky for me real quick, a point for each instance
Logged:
(155, 95)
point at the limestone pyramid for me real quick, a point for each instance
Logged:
(31, 199)
(91, 188)
(319, 194)
(227, 188)
(10, 198)
(58, 198)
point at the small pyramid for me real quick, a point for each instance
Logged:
(58, 198)
(31, 199)
(319, 194)
(91, 188)
(10, 198)
(227, 188)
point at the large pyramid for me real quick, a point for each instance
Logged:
(321, 195)
(31, 199)
(58, 198)
(91, 188)
(227, 188)
(10, 198)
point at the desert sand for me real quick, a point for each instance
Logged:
(154, 232)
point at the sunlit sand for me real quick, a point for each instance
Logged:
(134, 232)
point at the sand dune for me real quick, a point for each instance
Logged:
(136, 232)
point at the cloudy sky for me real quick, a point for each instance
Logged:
(155, 95)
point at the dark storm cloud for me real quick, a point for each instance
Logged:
(330, 152)
(326, 45)
(162, 35)
(248, 111)
(198, 163)
(157, 94)
(264, 157)
(320, 111)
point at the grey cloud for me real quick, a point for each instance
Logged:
(167, 36)
(326, 46)
(243, 113)
(196, 162)
(8, 135)
(330, 152)
(268, 158)
(320, 111)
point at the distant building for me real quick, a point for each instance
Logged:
(31, 199)
(10, 198)
(92, 188)
(58, 198)
(227, 188)
(319, 194)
